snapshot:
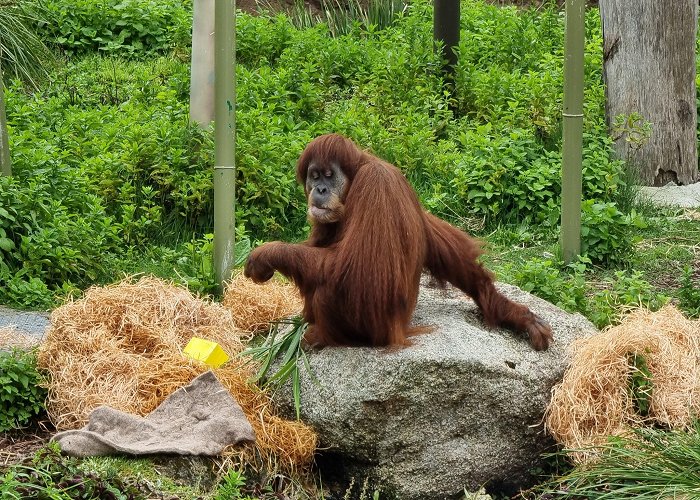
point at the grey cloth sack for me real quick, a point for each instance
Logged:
(201, 418)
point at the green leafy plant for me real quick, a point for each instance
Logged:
(545, 278)
(231, 486)
(635, 130)
(55, 234)
(626, 289)
(196, 267)
(286, 344)
(21, 395)
(689, 293)
(129, 27)
(641, 383)
(108, 140)
(607, 235)
(21, 290)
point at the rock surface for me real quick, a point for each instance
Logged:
(460, 408)
(28, 322)
(672, 195)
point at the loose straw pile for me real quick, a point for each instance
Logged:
(594, 401)
(254, 306)
(121, 346)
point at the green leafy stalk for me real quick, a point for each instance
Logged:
(288, 346)
(641, 383)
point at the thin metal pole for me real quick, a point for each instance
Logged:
(225, 139)
(573, 130)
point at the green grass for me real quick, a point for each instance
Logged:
(651, 464)
(664, 250)
(23, 52)
(670, 244)
(50, 475)
(342, 17)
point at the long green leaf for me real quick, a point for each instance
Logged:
(289, 346)
(296, 389)
(22, 53)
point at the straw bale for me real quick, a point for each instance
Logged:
(254, 305)
(121, 345)
(593, 400)
(10, 337)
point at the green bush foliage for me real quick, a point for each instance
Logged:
(491, 151)
(547, 279)
(607, 235)
(623, 290)
(124, 27)
(54, 233)
(21, 396)
(566, 286)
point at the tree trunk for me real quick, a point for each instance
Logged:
(5, 160)
(446, 30)
(202, 66)
(649, 70)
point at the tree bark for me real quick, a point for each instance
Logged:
(649, 70)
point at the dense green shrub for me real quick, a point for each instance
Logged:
(125, 27)
(500, 174)
(142, 158)
(608, 235)
(54, 232)
(260, 40)
(545, 278)
(93, 81)
(499, 158)
(21, 396)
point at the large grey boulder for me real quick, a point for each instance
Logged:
(460, 408)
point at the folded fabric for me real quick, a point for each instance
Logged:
(201, 418)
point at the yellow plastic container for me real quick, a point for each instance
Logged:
(206, 351)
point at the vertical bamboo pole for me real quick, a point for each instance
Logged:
(573, 130)
(225, 139)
